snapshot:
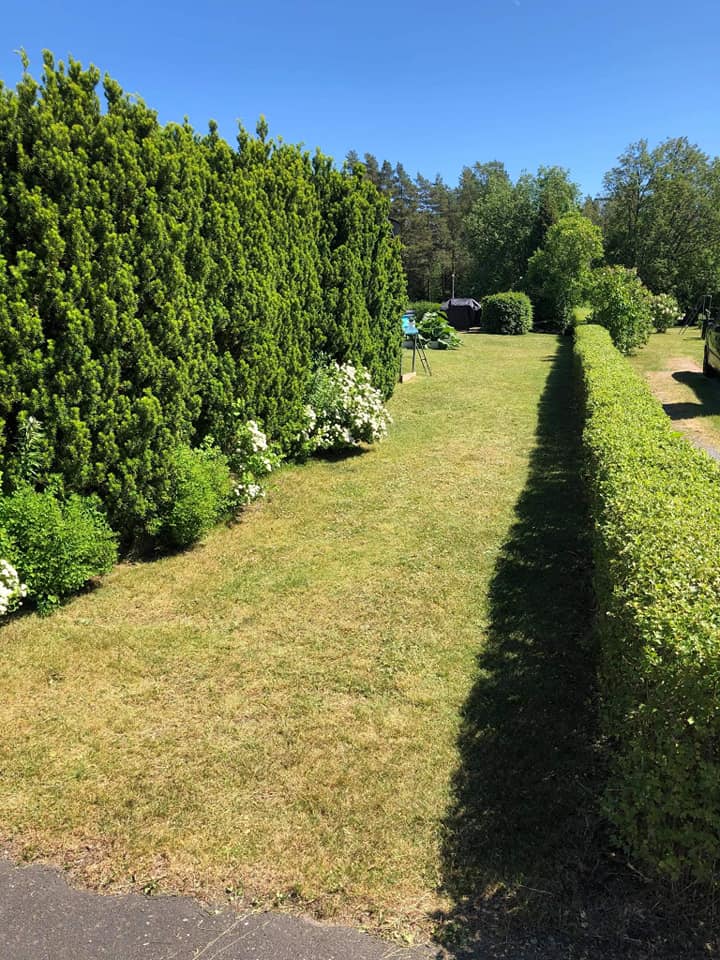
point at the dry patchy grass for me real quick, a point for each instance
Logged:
(277, 711)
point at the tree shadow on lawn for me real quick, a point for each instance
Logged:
(705, 389)
(525, 857)
(685, 410)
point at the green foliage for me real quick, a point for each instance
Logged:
(56, 545)
(507, 313)
(435, 329)
(665, 311)
(424, 213)
(657, 578)
(559, 273)
(361, 275)
(476, 238)
(198, 495)
(662, 216)
(499, 227)
(151, 279)
(28, 455)
(507, 222)
(580, 315)
(623, 305)
(421, 307)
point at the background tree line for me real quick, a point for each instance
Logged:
(659, 214)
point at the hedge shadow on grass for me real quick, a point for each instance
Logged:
(525, 858)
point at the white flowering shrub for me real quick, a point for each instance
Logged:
(345, 409)
(666, 312)
(12, 590)
(251, 459)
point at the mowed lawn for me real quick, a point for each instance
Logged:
(275, 713)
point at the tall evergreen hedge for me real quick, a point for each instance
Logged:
(156, 284)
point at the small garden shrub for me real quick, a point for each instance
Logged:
(435, 329)
(656, 513)
(199, 494)
(665, 312)
(56, 545)
(344, 409)
(623, 305)
(507, 313)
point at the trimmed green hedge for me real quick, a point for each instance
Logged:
(507, 313)
(656, 507)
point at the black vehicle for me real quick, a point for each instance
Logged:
(711, 356)
(711, 336)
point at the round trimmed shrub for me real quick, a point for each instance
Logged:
(507, 313)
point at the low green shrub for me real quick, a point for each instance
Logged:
(435, 329)
(200, 492)
(623, 305)
(56, 545)
(665, 311)
(656, 512)
(507, 313)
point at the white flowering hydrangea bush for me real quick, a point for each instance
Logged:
(252, 458)
(12, 591)
(344, 409)
(666, 312)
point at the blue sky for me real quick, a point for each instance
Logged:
(434, 86)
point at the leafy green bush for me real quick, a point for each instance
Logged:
(665, 311)
(507, 313)
(559, 272)
(434, 328)
(344, 409)
(199, 494)
(623, 305)
(56, 545)
(656, 512)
